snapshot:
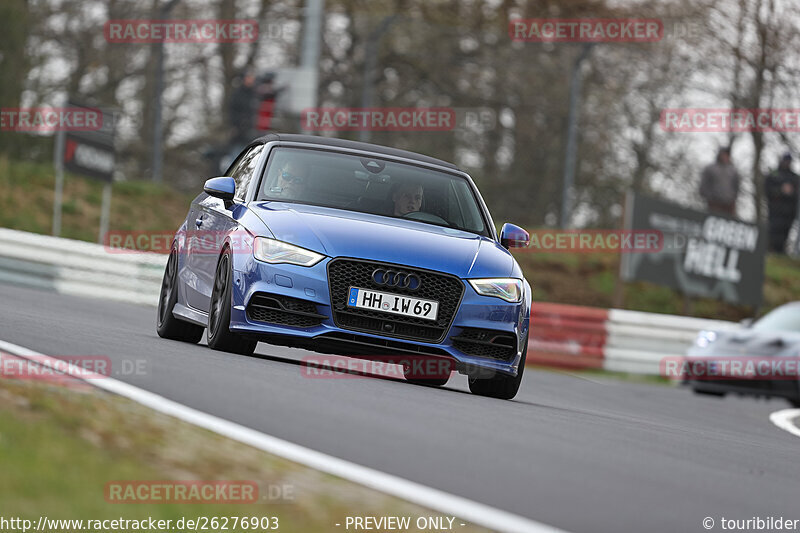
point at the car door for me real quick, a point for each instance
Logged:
(212, 222)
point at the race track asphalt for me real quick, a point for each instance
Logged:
(586, 454)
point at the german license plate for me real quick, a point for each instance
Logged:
(392, 303)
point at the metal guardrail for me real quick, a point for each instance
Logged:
(77, 267)
(611, 339)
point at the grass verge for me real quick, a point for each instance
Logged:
(60, 446)
(27, 203)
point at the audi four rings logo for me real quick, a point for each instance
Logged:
(394, 278)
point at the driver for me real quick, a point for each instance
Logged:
(407, 199)
(292, 177)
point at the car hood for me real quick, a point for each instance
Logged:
(341, 233)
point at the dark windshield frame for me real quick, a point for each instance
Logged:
(488, 230)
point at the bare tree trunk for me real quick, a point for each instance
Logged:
(14, 25)
(764, 15)
(227, 11)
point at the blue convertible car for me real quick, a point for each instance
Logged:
(350, 248)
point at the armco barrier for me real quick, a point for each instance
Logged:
(77, 267)
(561, 335)
(615, 339)
(567, 335)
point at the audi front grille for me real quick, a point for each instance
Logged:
(444, 288)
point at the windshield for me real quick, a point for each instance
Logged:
(370, 185)
(784, 318)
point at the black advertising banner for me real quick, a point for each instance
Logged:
(705, 254)
(90, 152)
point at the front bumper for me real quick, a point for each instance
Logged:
(474, 314)
(716, 376)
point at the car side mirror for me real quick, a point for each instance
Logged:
(223, 188)
(746, 322)
(512, 236)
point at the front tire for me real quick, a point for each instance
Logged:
(167, 325)
(220, 337)
(501, 386)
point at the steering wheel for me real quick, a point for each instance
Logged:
(425, 217)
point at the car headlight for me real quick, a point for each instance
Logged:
(274, 252)
(508, 289)
(704, 338)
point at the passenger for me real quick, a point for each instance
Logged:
(407, 198)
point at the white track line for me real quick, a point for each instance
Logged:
(471, 511)
(783, 419)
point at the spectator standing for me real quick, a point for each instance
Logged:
(719, 184)
(267, 94)
(242, 112)
(781, 187)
